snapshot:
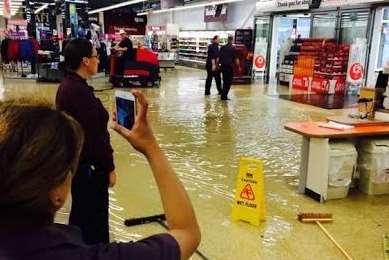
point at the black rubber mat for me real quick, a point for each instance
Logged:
(323, 101)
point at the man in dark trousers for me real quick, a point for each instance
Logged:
(126, 49)
(227, 58)
(213, 67)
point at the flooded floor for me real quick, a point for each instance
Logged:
(204, 138)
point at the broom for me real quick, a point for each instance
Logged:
(318, 218)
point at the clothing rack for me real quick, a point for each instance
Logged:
(19, 51)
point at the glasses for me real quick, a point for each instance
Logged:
(97, 56)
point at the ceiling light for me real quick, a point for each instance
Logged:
(43, 7)
(115, 6)
(185, 7)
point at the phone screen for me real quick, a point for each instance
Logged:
(125, 112)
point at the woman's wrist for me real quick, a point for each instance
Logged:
(152, 150)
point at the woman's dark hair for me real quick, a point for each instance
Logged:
(75, 51)
(39, 147)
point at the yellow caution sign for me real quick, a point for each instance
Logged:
(249, 202)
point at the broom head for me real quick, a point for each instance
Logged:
(313, 217)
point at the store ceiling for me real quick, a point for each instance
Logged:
(95, 4)
(16, 5)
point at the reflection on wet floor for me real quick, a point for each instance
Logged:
(203, 138)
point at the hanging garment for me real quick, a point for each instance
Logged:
(13, 50)
(36, 45)
(26, 50)
(4, 50)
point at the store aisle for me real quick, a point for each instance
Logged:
(204, 137)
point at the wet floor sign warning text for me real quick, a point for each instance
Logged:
(249, 202)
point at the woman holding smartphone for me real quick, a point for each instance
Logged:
(96, 171)
(39, 153)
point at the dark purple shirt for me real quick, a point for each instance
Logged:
(212, 54)
(62, 242)
(227, 55)
(76, 98)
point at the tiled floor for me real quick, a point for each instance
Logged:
(204, 138)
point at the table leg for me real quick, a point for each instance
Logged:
(304, 164)
(317, 170)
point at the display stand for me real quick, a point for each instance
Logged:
(167, 60)
(49, 69)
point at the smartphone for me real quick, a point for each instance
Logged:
(125, 108)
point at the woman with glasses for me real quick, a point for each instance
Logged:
(96, 171)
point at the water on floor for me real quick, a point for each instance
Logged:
(204, 138)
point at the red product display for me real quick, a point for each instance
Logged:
(13, 50)
(300, 82)
(331, 68)
(304, 66)
(325, 62)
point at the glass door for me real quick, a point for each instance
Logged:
(324, 25)
(354, 25)
(383, 57)
(354, 30)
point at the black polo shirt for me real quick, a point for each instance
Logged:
(227, 55)
(127, 43)
(63, 242)
(213, 53)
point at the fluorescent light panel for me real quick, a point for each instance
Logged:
(115, 6)
(190, 7)
(40, 9)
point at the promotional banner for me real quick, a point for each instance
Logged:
(356, 65)
(260, 55)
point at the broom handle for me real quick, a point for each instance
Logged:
(333, 240)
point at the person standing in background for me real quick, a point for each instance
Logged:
(212, 66)
(125, 47)
(227, 58)
(96, 170)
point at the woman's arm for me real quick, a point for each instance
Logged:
(178, 208)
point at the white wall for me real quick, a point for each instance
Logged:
(240, 15)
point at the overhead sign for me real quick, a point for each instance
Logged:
(20, 22)
(338, 3)
(156, 28)
(249, 202)
(215, 13)
(282, 5)
(293, 5)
